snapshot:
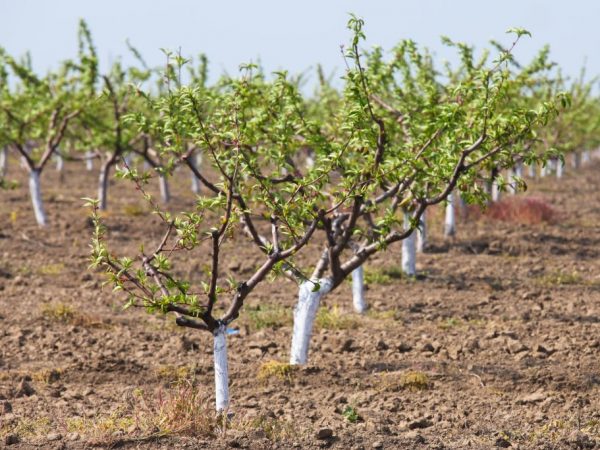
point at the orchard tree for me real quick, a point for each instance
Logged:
(405, 142)
(250, 128)
(38, 111)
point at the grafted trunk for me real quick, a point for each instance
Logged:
(422, 234)
(221, 369)
(358, 290)
(35, 192)
(304, 317)
(409, 250)
(103, 186)
(163, 184)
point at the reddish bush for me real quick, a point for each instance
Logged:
(523, 210)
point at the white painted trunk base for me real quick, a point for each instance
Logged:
(496, 194)
(3, 161)
(221, 369)
(422, 234)
(89, 161)
(35, 192)
(450, 217)
(358, 290)
(409, 250)
(576, 161)
(60, 163)
(163, 185)
(585, 156)
(102, 189)
(196, 160)
(560, 169)
(304, 317)
(531, 171)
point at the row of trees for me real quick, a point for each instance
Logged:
(349, 170)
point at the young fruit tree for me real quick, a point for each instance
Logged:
(249, 128)
(403, 139)
(37, 112)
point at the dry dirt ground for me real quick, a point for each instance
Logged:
(495, 344)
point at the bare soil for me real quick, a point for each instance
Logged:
(495, 344)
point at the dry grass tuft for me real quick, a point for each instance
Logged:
(336, 319)
(411, 380)
(275, 369)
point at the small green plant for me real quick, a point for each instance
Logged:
(384, 276)
(134, 210)
(351, 414)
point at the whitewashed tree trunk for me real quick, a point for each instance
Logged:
(3, 162)
(560, 168)
(310, 162)
(512, 187)
(531, 170)
(358, 290)
(422, 234)
(35, 192)
(450, 217)
(585, 157)
(576, 161)
(60, 163)
(163, 185)
(544, 170)
(304, 317)
(221, 369)
(89, 161)
(496, 194)
(196, 161)
(519, 169)
(409, 250)
(103, 187)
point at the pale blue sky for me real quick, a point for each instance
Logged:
(293, 35)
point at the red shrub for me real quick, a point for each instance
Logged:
(522, 210)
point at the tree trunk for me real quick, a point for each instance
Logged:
(304, 317)
(35, 192)
(560, 169)
(422, 234)
(221, 369)
(196, 161)
(358, 290)
(576, 162)
(496, 194)
(531, 170)
(163, 184)
(450, 218)
(3, 162)
(409, 250)
(89, 162)
(585, 157)
(103, 186)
